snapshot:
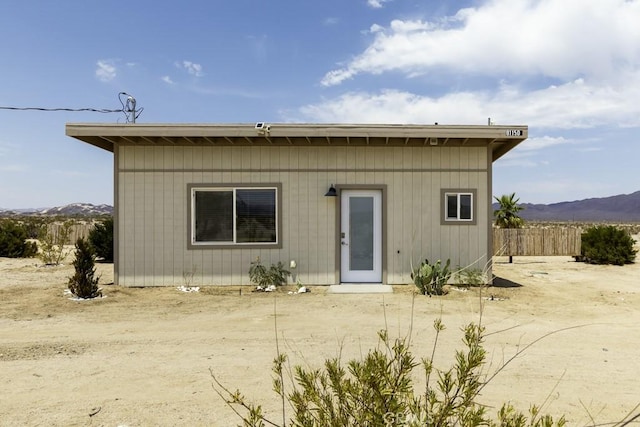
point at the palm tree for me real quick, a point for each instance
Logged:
(507, 215)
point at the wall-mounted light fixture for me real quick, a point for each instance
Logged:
(332, 192)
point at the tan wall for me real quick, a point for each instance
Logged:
(152, 208)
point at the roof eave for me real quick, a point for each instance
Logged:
(500, 139)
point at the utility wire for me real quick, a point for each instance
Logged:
(95, 110)
(128, 108)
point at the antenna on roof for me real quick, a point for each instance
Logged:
(129, 107)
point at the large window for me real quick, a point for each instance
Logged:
(234, 215)
(458, 206)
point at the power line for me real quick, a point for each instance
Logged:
(95, 110)
(128, 108)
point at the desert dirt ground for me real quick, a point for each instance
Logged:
(142, 357)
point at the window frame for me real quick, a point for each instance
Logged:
(444, 198)
(233, 187)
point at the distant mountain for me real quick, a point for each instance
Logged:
(621, 208)
(74, 209)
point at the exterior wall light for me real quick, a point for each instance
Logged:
(332, 192)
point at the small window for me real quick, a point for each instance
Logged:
(459, 206)
(230, 216)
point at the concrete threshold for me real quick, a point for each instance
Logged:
(360, 288)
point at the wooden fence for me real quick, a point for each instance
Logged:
(552, 241)
(548, 241)
(78, 229)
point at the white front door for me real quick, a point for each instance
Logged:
(361, 236)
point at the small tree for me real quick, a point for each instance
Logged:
(101, 238)
(607, 245)
(507, 214)
(84, 284)
(13, 241)
(52, 239)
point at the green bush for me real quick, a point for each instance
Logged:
(264, 277)
(101, 238)
(430, 279)
(607, 245)
(13, 241)
(83, 283)
(378, 390)
(34, 226)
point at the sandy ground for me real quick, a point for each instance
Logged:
(141, 357)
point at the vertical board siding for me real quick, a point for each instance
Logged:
(153, 208)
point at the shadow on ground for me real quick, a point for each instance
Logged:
(520, 261)
(499, 282)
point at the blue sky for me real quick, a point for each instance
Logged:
(570, 69)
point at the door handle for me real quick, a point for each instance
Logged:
(344, 243)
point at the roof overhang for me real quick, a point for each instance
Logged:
(500, 139)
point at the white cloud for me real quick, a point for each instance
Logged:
(335, 77)
(191, 67)
(12, 168)
(331, 21)
(106, 70)
(69, 173)
(260, 46)
(564, 39)
(167, 80)
(528, 154)
(553, 64)
(519, 162)
(539, 143)
(377, 4)
(392, 106)
(576, 104)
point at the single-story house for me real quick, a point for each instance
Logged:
(345, 203)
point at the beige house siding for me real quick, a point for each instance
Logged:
(152, 207)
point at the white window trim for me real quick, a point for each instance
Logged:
(194, 188)
(446, 193)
